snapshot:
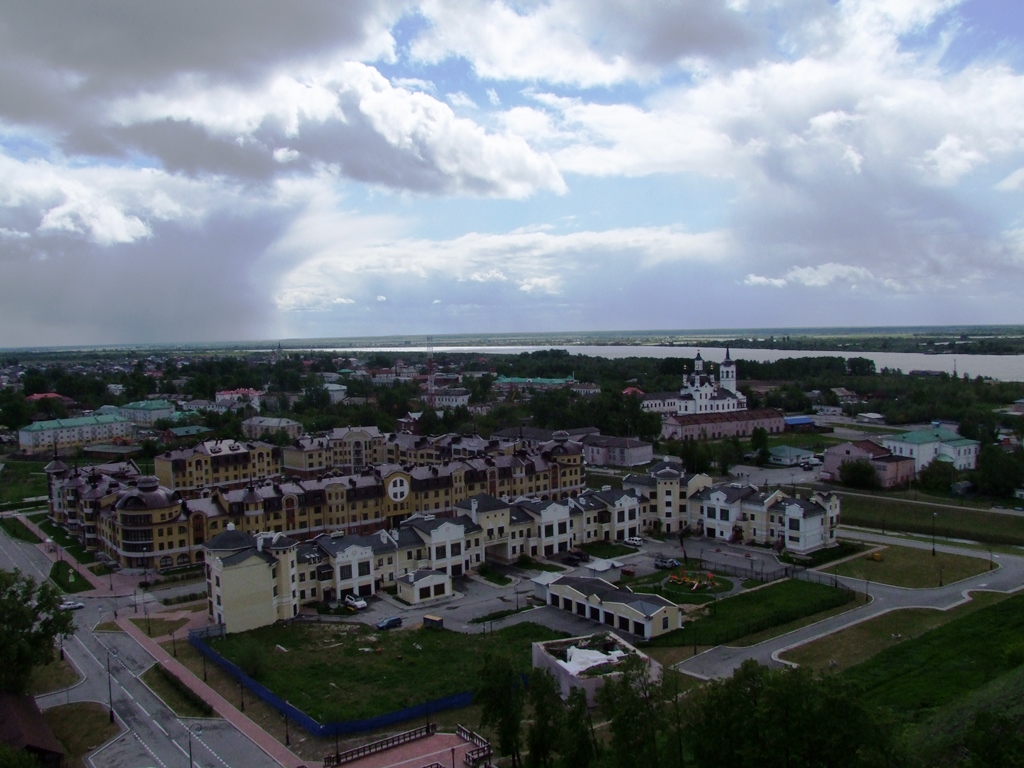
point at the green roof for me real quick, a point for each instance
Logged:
(82, 421)
(531, 380)
(149, 405)
(926, 436)
(189, 431)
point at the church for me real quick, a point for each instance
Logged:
(701, 392)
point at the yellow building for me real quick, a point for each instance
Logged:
(217, 463)
(250, 580)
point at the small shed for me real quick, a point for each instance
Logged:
(609, 570)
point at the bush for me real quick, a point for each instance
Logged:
(1013, 655)
(250, 658)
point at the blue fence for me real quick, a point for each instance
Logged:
(323, 730)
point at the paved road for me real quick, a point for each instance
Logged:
(153, 735)
(722, 661)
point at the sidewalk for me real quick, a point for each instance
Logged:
(277, 751)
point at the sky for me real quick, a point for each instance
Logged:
(257, 169)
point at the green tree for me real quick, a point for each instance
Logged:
(547, 712)
(30, 621)
(12, 757)
(578, 744)
(759, 444)
(858, 474)
(994, 740)
(501, 699)
(999, 472)
(636, 714)
(937, 476)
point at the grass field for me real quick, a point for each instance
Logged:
(80, 728)
(607, 549)
(351, 671)
(22, 479)
(70, 545)
(159, 627)
(910, 567)
(181, 705)
(303, 744)
(17, 530)
(51, 677)
(64, 576)
(935, 669)
(960, 523)
(860, 642)
(808, 441)
(749, 612)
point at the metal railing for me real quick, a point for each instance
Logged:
(340, 758)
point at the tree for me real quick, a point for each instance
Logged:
(636, 714)
(30, 621)
(759, 444)
(501, 699)
(547, 712)
(993, 740)
(999, 472)
(858, 474)
(579, 745)
(937, 476)
(12, 757)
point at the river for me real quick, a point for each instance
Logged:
(1002, 367)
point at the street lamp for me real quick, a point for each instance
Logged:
(174, 643)
(287, 736)
(934, 515)
(197, 729)
(110, 687)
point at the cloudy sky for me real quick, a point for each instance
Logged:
(254, 169)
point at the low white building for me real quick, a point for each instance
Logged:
(927, 445)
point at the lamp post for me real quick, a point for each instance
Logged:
(197, 729)
(149, 622)
(204, 666)
(110, 686)
(241, 693)
(287, 736)
(174, 644)
(934, 515)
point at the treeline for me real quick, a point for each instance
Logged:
(758, 718)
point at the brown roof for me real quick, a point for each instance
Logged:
(23, 727)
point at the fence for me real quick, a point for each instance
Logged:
(323, 730)
(340, 758)
(750, 570)
(481, 754)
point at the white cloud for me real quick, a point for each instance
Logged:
(348, 112)
(551, 284)
(285, 155)
(460, 99)
(492, 96)
(820, 276)
(1012, 183)
(775, 282)
(382, 298)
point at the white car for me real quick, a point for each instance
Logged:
(355, 602)
(71, 605)
(634, 541)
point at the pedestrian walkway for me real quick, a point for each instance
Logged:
(275, 749)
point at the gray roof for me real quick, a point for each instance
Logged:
(245, 554)
(647, 604)
(231, 539)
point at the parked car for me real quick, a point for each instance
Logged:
(634, 541)
(571, 559)
(71, 605)
(665, 563)
(392, 622)
(355, 601)
(581, 555)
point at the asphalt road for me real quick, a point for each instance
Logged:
(1008, 577)
(153, 735)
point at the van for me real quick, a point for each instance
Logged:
(634, 541)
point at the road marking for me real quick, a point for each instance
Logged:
(91, 656)
(152, 754)
(183, 751)
(165, 733)
(197, 738)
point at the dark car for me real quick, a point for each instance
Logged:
(392, 622)
(580, 555)
(571, 559)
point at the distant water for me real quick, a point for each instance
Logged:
(1002, 367)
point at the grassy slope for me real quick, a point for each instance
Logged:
(335, 671)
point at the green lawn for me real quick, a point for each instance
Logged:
(913, 568)
(749, 612)
(351, 671)
(17, 530)
(22, 479)
(71, 546)
(171, 691)
(808, 441)
(80, 728)
(858, 643)
(54, 676)
(939, 667)
(959, 523)
(658, 584)
(608, 550)
(529, 564)
(158, 627)
(64, 576)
